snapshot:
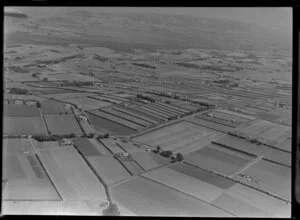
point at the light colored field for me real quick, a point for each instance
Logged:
(111, 145)
(149, 160)
(26, 180)
(272, 178)
(71, 175)
(258, 150)
(236, 114)
(51, 208)
(46, 145)
(177, 136)
(23, 125)
(116, 119)
(62, 124)
(253, 127)
(145, 197)
(184, 183)
(246, 202)
(132, 167)
(88, 104)
(274, 134)
(155, 112)
(160, 110)
(17, 146)
(148, 113)
(229, 117)
(286, 145)
(218, 159)
(110, 169)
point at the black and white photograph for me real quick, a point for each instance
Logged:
(147, 111)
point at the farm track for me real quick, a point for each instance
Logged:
(44, 120)
(251, 163)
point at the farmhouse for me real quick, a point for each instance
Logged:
(65, 142)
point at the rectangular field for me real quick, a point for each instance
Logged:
(185, 183)
(54, 108)
(17, 146)
(177, 136)
(105, 125)
(90, 147)
(89, 104)
(218, 159)
(118, 120)
(149, 160)
(23, 125)
(140, 116)
(153, 114)
(111, 145)
(145, 197)
(127, 117)
(133, 168)
(109, 168)
(229, 117)
(15, 110)
(253, 127)
(218, 120)
(62, 124)
(249, 117)
(71, 175)
(259, 150)
(244, 201)
(273, 135)
(26, 179)
(210, 125)
(270, 177)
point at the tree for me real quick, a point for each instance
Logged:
(45, 79)
(106, 135)
(167, 153)
(112, 209)
(158, 148)
(72, 135)
(38, 104)
(179, 157)
(90, 135)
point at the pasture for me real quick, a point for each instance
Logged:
(71, 175)
(20, 110)
(23, 125)
(27, 179)
(62, 124)
(106, 125)
(218, 159)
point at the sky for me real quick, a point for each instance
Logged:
(276, 18)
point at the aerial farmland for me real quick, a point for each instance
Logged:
(145, 114)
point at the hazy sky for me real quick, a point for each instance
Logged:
(269, 17)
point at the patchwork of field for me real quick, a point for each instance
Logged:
(104, 124)
(132, 167)
(141, 114)
(109, 168)
(145, 197)
(130, 147)
(245, 146)
(218, 120)
(191, 180)
(62, 124)
(23, 125)
(20, 110)
(269, 177)
(178, 136)
(71, 175)
(244, 201)
(111, 146)
(218, 159)
(26, 179)
(54, 107)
